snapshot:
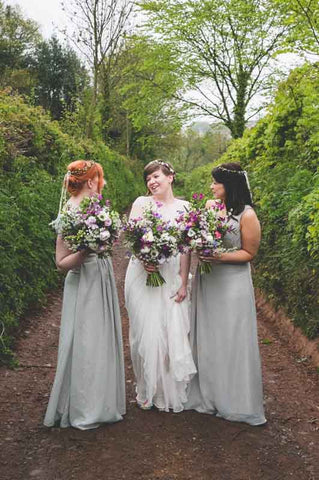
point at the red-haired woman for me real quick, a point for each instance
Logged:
(159, 317)
(89, 387)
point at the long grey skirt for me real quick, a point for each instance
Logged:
(225, 346)
(89, 385)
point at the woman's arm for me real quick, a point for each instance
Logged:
(184, 272)
(66, 260)
(250, 240)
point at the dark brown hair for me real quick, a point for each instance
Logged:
(233, 177)
(158, 164)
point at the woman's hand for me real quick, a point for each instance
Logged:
(150, 268)
(181, 294)
(215, 258)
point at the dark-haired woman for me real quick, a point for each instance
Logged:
(89, 385)
(159, 317)
(223, 329)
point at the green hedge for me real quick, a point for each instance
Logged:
(281, 156)
(34, 154)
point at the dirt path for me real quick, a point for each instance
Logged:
(155, 445)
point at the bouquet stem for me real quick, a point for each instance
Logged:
(204, 267)
(155, 279)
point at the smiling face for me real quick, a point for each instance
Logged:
(218, 190)
(158, 183)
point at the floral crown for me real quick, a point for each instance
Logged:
(238, 172)
(81, 171)
(164, 164)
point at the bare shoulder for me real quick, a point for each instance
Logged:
(249, 219)
(249, 214)
(140, 201)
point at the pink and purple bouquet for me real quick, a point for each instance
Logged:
(202, 229)
(152, 240)
(92, 225)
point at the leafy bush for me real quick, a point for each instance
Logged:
(34, 154)
(281, 156)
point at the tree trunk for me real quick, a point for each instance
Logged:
(238, 124)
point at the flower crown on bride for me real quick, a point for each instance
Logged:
(164, 164)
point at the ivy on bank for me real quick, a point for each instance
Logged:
(281, 155)
(34, 154)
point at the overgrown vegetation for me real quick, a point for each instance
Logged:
(281, 156)
(33, 158)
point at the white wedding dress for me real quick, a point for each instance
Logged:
(159, 327)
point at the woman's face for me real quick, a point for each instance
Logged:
(158, 183)
(218, 190)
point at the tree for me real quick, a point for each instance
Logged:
(193, 149)
(100, 26)
(18, 39)
(303, 19)
(224, 50)
(61, 78)
(145, 97)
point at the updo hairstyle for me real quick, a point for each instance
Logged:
(80, 172)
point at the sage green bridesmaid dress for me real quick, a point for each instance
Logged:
(89, 385)
(224, 341)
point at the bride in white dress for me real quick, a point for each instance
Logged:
(159, 316)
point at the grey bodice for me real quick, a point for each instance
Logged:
(233, 238)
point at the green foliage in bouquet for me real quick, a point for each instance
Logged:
(34, 154)
(281, 155)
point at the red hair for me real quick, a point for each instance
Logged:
(80, 172)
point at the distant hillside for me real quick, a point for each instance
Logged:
(203, 126)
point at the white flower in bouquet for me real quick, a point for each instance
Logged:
(161, 259)
(104, 235)
(209, 238)
(90, 221)
(102, 216)
(191, 233)
(154, 254)
(148, 236)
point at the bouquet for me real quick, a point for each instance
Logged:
(202, 229)
(152, 240)
(92, 225)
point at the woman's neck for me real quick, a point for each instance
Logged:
(76, 200)
(165, 198)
